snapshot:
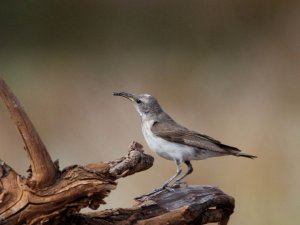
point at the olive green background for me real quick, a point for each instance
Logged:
(229, 69)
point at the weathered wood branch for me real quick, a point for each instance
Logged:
(54, 197)
(43, 169)
(186, 205)
(77, 187)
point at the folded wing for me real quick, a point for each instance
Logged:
(179, 134)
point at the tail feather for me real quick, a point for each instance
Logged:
(246, 155)
(237, 152)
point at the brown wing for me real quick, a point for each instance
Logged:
(176, 133)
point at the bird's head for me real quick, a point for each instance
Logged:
(146, 105)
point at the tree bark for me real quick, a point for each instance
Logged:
(52, 196)
(186, 205)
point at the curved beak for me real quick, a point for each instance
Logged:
(129, 96)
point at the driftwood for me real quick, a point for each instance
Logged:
(49, 195)
(186, 205)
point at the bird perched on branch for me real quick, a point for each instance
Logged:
(173, 141)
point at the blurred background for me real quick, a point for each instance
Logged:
(229, 69)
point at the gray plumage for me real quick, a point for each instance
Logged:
(173, 141)
(171, 131)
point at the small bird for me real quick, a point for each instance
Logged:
(173, 141)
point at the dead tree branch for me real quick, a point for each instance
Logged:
(54, 197)
(187, 205)
(77, 187)
(43, 169)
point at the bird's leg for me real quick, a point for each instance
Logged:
(190, 170)
(178, 172)
(165, 185)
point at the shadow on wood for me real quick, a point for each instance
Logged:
(52, 196)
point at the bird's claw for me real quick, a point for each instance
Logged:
(170, 189)
(152, 193)
(155, 192)
(178, 184)
(158, 190)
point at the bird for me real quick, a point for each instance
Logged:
(173, 141)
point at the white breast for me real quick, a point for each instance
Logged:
(166, 149)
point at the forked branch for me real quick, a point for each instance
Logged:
(43, 168)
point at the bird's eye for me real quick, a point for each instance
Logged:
(138, 101)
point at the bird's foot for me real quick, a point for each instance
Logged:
(178, 184)
(155, 192)
(170, 189)
(151, 194)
